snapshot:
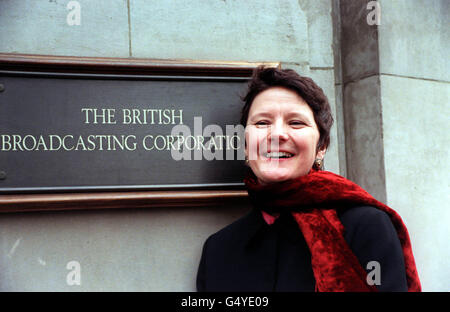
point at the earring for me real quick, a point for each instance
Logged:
(246, 161)
(318, 164)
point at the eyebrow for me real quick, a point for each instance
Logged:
(289, 115)
(298, 114)
(263, 114)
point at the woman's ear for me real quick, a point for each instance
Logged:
(321, 153)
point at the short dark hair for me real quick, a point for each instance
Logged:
(264, 78)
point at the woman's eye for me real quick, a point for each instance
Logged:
(262, 123)
(297, 123)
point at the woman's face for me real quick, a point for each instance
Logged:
(281, 136)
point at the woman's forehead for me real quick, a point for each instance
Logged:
(279, 101)
(278, 93)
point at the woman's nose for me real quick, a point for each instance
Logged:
(278, 131)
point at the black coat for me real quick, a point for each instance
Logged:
(250, 255)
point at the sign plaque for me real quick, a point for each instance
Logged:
(95, 131)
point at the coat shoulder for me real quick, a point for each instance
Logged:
(363, 216)
(239, 230)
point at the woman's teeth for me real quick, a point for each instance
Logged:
(278, 155)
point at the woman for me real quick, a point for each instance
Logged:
(310, 230)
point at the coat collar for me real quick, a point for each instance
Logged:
(256, 227)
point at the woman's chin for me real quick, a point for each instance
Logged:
(274, 176)
(269, 174)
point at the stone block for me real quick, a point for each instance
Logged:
(364, 136)
(219, 30)
(325, 79)
(415, 131)
(320, 32)
(41, 27)
(154, 249)
(359, 41)
(414, 38)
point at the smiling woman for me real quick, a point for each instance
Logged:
(281, 136)
(310, 229)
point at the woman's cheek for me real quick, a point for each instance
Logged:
(256, 142)
(306, 143)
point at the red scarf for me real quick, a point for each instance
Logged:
(313, 199)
